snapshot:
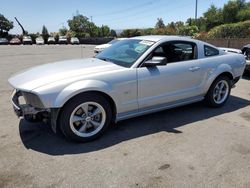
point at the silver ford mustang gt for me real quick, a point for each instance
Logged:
(133, 77)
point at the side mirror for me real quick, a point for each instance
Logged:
(156, 61)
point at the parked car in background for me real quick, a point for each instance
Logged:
(246, 52)
(39, 41)
(232, 50)
(51, 40)
(133, 77)
(100, 48)
(15, 41)
(27, 40)
(63, 40)
(74, 40)
(4, 41)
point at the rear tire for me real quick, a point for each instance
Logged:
(218, 92)
(85, 117)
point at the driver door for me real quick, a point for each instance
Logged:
(180, 79)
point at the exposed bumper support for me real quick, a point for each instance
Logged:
(26, 110)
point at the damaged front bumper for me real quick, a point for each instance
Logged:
(31, 109)
(26, 110)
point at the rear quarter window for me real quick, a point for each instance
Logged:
(210, 51)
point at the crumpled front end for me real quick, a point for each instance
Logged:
(29, 106)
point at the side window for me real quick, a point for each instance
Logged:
(210, 51)
(176, 51)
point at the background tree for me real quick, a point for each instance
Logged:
(213, 17)
(5, 25)
(131, 33)
(80, 25)
(113, 33)
(91, 30)
(188, 30)
(159, 24)
(45, 33)
(63, 31)
(105, 31)
(244, 13)
(55, 35)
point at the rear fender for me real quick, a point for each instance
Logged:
(215, 73)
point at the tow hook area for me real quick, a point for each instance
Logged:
(27, 111)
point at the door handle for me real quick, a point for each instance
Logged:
(194, 69)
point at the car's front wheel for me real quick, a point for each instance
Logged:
(85, 117)
(219, 92)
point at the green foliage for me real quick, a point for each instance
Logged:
(34, 36)
(231, 9)
(244, 14)
(188, 30)
(63, 31)
(45, 33)
(104, 31)
(159, 24)
(79, 24)
(235, 30)
(113, 33)
(5, 25)
(213, 17)
(81, 27)
(147, 31)
(131, 33)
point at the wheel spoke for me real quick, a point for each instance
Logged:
(218, 98)
(215, 95)
(83, 127)
(223, 92)
(97, 111)
(85, 108)
(222, 85)
(217, 87)
(77, 118)
(95, 124)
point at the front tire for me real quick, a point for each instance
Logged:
(218, 92)
(85, 117)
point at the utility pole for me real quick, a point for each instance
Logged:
(91, 18)
(196, 6)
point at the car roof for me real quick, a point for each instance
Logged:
(157, 38)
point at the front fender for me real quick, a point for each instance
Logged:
(79, 87)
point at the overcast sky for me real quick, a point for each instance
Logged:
(33, 14)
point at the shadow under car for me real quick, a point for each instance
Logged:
(41, 138)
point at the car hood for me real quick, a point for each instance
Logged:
(46, 74)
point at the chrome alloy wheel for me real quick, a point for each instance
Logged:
(221, 92)
(87, 119)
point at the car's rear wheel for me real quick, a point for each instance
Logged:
(219, 92)
(85, 117)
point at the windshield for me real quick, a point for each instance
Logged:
(126, 52)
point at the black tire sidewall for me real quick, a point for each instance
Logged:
(64, 117)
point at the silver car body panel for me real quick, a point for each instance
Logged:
(136, 90)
